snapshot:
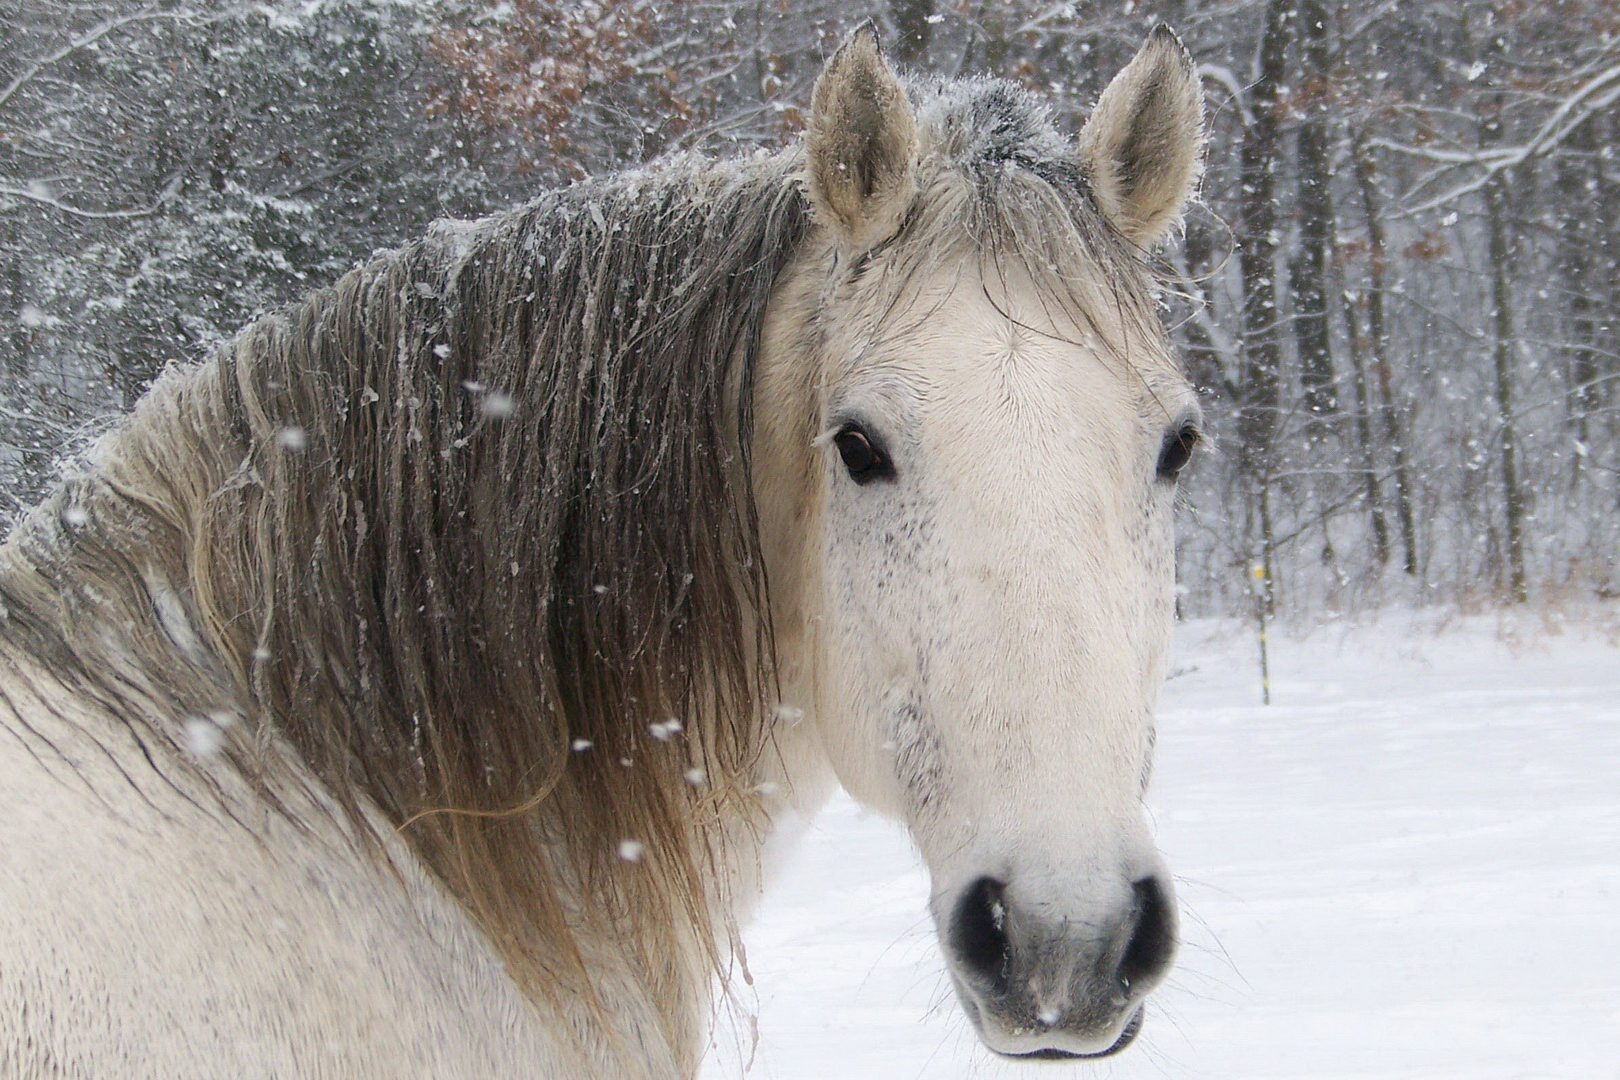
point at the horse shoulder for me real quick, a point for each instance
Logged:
(144, 931)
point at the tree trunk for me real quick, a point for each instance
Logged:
(1503, 349)
(1309, 269)
(15, 333)
(993, 19)
(912, 29)
(1364, 436)
(1378, 262)
(1261, 375)
(1608, 283)
(1579, 213)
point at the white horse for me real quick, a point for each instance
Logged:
(410, 689)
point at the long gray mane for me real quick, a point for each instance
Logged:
(483, 498)
(485, 501)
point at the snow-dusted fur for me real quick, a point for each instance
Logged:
(410, 688)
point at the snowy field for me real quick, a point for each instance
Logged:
(1407, 866)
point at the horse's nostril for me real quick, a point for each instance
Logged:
(1153, 937)
(979, 931)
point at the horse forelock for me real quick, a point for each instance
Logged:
(1002, 187)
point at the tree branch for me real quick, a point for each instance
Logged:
(1593, 96)
(56, 204)
(89, 37)
(1227, 80)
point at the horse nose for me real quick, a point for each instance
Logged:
(1151, 941)
(1039, 979)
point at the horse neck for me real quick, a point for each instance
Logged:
(181, 549)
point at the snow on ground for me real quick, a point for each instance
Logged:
(1407, 866)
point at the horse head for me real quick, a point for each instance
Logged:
(969, 434)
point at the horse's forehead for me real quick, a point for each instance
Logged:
(1001, 343)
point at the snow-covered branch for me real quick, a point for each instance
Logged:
(1044, 18)
(84, 40)
(56, 204)
(1588, 100)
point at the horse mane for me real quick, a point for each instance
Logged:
(472, 531)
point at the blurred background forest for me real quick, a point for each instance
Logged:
(1398, 296)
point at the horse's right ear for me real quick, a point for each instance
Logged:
(862, 143)
(1144, 141)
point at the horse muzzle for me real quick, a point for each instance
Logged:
(1039, 983)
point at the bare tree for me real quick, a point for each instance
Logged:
(1261, 387)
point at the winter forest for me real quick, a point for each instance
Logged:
(1397, 295)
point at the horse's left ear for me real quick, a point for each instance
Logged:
(1143, 144)
(862, 143)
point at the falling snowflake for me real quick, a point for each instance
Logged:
(497, 406)
(631, 850)
(202, 738)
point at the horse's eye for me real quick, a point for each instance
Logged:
(864, 459)
(1177, 451)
